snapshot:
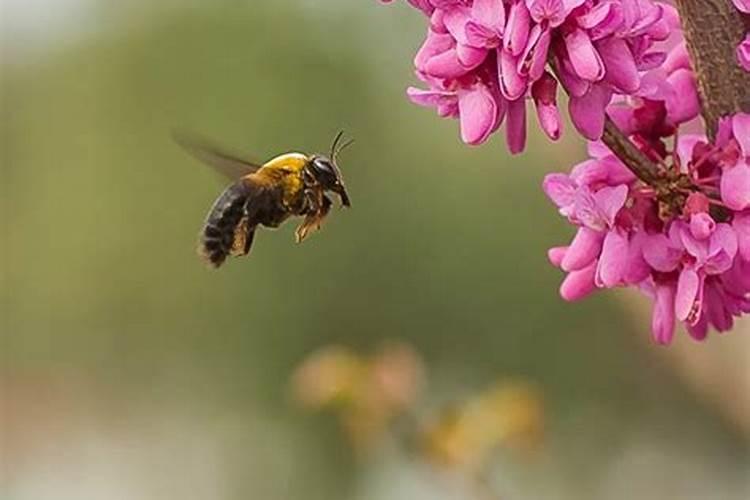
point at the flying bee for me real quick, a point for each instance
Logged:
(292, 184)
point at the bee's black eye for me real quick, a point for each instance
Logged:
(324, 171)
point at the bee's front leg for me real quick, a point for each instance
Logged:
(314, 218)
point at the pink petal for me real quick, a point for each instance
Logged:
(552, 11)
(650, 60)
(517, 29)
(660, 254)
(617, 172)
(589, 172)
(471, 57)
(569, 5)
(735, 186)
(445, 65)
(556, 255)
(587, 210)
(433, 45)
(455, 20)
(429, 98)
(490, 13)
(637, 269)
(699, 330)
(437, 21)
(715, 311)
(702, 225)
(578, 284)
(610, 201)
(741, 225)
(540, 53)
(515, 128)
(535, 53)
(479, 35)
(650, 14)
(596, 15)
(724, 134)
(583, 56)
(695, 247)
(663, 322)
(574, 85)
(677, 58)
(687, 300)
(743, 53)
(423, 5)
(742, 5)
(583, 250)
(722, 249)
(613, 260)
(685, 146)
(477, 112)
(741, 131)
(544, 92)
(683, 104)
(597, 149)
(619, 63)
(512, 84)
(561, 189)
(587, 112)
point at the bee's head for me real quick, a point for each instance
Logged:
(325, 172)
(327, 175)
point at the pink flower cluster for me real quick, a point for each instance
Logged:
(482, 58)
(743, 49)
(687, 248)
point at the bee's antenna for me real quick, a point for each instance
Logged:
(341, 148)
(335, 143)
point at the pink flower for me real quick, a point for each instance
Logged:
(479, 111)
(544, 93)
(684, 239)
(741, 225)
(693, 261)
(668, 97)
(742, 5)
(598, 48)
(735, 181)
(663, 322)
(743, 53)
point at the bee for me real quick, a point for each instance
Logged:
(291, 184)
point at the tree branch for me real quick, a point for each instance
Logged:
(629, 154)
(713, 29)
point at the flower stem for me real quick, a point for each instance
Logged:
(631, 156)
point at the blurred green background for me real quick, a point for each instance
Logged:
(133, 371)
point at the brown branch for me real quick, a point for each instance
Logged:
(631, 156)
(713, 29)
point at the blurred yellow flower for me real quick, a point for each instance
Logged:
(508, 414)
(367, 392)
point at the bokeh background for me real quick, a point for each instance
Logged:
(130, 370)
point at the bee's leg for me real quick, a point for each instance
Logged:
(312, 200)
(245, 230)
(309, 208)
(314, 219)
(325, 207)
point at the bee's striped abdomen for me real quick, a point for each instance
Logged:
(218, 235)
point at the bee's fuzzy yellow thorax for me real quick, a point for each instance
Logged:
(286, 170)
(290, 162)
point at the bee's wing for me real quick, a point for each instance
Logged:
(225, 163)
